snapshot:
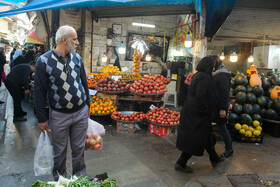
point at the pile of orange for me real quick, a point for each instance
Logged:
(100, 105)
(136, 59)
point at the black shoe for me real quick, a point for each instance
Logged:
(1, 102)
(228, 153)
(19, 119)
(186, 169)
(220, 159)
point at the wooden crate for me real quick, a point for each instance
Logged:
(113, 97)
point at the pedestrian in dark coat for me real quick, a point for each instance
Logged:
(17, 58)
(2, 63)
(222, 79)
(28, 57)
(195, 131)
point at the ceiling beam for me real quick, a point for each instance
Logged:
(257, 4)
(111, 12)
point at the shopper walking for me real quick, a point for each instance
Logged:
(60, 76)
(17, 59)
(2, 63)
(222, 79)
(195, 131)
(17, 83)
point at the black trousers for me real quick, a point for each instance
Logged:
(16, 92)
(210, 148)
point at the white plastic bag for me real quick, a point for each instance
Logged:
(93, 138)
(99, 128)
(43, 158)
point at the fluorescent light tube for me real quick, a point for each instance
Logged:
(143, 25)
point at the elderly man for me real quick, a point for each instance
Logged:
(168, 71)
(61, 76)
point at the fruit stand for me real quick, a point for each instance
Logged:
(255, 103)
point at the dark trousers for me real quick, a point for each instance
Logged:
(226, 136)
(16, 92)
(210, 148)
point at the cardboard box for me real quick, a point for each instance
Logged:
(125, 127)
(159, 130)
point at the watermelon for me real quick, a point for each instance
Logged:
(258, 90)
(257, 117)
(257, 109)
(251, 98)
(276, 105)
(269, 103)
(249, 89)
(240, 97)
(265, 83)
(275, 80)
(240, 79)
(262, 101)
(240, 88)
(248, 109)
(233, 118)
(271, 114)
(232, 83)
(237, 108)
(246, 119)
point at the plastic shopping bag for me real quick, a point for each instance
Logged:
(93, 138)
(43, 158)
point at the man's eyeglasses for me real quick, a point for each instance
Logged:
(66, 69)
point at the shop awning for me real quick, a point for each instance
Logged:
(216, 14)
(42, 5)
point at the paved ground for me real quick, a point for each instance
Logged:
(141, 159)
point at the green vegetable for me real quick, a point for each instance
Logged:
(39, 183)
(84, 182)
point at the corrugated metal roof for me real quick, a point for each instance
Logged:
(40, 5)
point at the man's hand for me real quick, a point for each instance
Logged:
(222, 113)
(26, 92)
(44, 126)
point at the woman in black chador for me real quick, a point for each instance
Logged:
(195, 131)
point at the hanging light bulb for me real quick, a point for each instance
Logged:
(104, 58)
(148, 57)
(188, 41)
(233, 57)
(122, 49)
(251, 59)
(222, 57)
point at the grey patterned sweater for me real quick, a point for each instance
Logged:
(63, 82)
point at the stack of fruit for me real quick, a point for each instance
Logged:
(93, 141)
(136, 59)
(250, 133)
(163, 116)
(109, 69)
(248, 102)
(127, 77)
(110, 85)
(271, 85)
(135, 116)
(92, 78)
(101, 106)
(149, 84)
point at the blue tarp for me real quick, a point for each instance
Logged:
(216, 13)
(42, 5)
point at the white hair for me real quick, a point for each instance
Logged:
(63, 31)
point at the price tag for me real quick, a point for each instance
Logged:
(124, 69)
(152, 107)
(116, 77)
(92, 92)
(90, 77)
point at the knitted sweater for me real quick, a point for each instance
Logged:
(64, 83)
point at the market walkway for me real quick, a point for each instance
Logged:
(141, 159)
